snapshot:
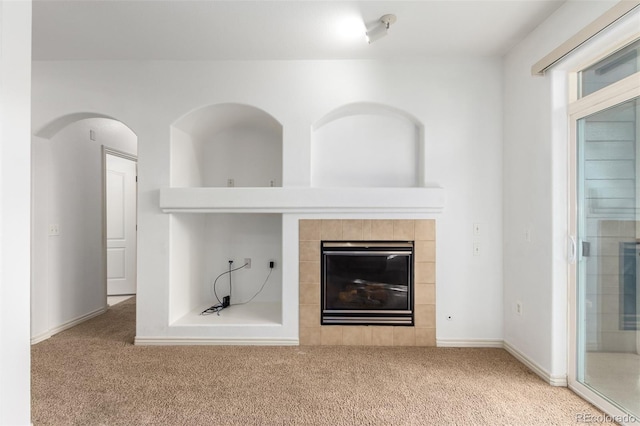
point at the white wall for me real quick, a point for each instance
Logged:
(15, 182)
(186, 164)
(462, 119)
(68, 270)
(240, 236)
(251, 156)
(535, 198)
(188, 265)
(366, 150)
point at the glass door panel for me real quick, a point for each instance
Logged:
(608, 293)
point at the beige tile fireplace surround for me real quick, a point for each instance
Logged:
(422, 232)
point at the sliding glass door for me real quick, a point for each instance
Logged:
(608, 253)
(605, 223)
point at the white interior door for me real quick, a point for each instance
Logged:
(121, 224)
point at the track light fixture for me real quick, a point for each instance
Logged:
(379, 30)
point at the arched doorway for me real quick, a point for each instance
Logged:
(69, 261)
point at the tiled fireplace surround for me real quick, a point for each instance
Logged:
(421, 231)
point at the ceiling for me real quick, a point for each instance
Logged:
(272, 29)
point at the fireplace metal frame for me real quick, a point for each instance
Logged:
(403, 317)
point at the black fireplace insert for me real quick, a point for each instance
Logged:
(367, 283)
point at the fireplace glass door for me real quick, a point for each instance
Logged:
(367, 283)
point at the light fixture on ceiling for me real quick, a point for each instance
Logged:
(379, 30)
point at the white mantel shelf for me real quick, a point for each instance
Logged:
(302, 200)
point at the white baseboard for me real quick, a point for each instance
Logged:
(190, 341)
(40, 337)
(557, 380)
(469, 343)
(53, 331)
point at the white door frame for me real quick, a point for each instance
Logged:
(110, 151)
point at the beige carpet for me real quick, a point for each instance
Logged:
(92, 374)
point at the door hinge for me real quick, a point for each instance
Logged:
(586, 248)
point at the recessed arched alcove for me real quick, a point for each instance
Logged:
(212, 148)
(226, 145)
(367, 145)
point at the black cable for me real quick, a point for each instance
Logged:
(218, 277)
(259, 291)
(218, 307)
(214, 309)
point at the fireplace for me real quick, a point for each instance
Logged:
(312, 232)
(367, 283)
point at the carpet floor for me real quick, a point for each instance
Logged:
(92, 374)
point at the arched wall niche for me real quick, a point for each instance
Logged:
(226, 144)
(367, 145)
(210, 146)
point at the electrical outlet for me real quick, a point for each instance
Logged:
(519, 308)
(54, 230)
(476, 248)
(272, 183)
(231, 182)
(247, 261)
(477, 229)
(450, 318)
